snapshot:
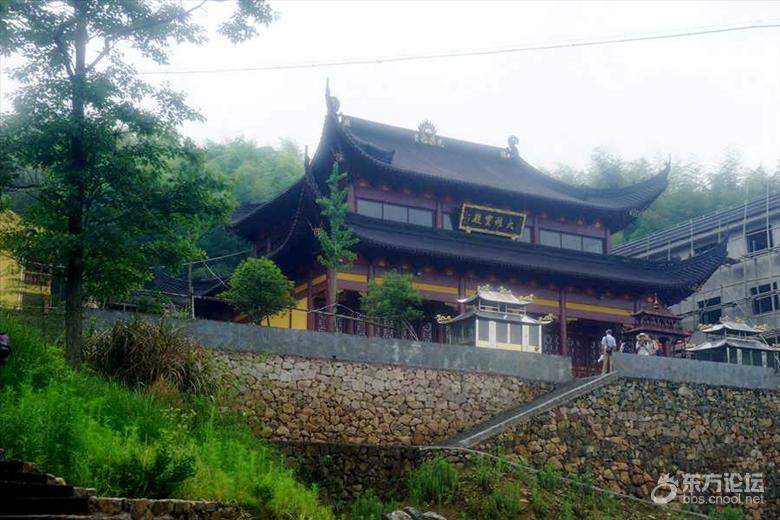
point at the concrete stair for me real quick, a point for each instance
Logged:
(526, 411)
(26, 492)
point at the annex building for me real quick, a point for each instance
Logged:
(458, 216)
(746, 287)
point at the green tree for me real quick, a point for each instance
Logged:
(393, 299)
(255, 174)
(117, 181)
(336, 239)
(259, 289)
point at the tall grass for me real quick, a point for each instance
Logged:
(435, 481)
(124, 442)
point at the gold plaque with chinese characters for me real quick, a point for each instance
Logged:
(492, 221)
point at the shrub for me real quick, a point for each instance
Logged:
(729, 513)
(367, 507)
(259, 289)
(140, 353)
(503, 502)
(548, 478)
(434, 481)
(101, 434)
(538, 502)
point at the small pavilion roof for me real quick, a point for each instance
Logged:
(752, 344)
(731, 326)
(497, 296)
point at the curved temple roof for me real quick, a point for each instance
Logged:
(468, 165)
(672, 280)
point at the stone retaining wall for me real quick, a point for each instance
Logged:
(295, 398)
(169, 509)
(343, 471)
(631, 432)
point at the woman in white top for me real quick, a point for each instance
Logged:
(644, 345)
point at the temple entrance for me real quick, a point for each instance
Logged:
(584, 341)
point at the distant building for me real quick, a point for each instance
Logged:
(746, 287)
(22, 285)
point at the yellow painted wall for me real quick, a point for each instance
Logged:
(282, 320)
(14, 290)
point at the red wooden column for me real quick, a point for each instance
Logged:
(310, 317)
(564, 336)
(330, 298)
(461, 293)
(369, 277)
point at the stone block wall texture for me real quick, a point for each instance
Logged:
(631, 432)
(343, 471)
(168, 509)
(307, 399)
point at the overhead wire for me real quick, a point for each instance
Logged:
(679, 33)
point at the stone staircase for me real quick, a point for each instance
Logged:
(26, 492)
(524, 412)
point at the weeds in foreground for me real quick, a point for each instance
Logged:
(504, 502)
(126, 442)
(548, 478)
(435, 481)
(367, 506)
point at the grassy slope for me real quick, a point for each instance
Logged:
(100, 434)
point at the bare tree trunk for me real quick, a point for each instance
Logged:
(75, 179)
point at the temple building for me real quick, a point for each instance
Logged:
(458, 215)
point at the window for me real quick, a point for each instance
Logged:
(483, 330)
(369, 208)
(421, 217)
(448, 221)
(501, 333)
(759, 239)
(549, 238)
(516, 333)
(710, 310)
(593, 245)
(534, 335)
(395, 213)
(571, 241)
(765, 298)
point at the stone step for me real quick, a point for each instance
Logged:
(28, 489)
(33, 478)
(44, 506)
(526, 411)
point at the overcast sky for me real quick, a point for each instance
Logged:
(694, 98)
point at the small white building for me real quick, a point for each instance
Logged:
(496, 319)
(735, 342)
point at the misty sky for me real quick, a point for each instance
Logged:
(694, 98)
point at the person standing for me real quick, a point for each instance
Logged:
(643, 345)
(608, 345)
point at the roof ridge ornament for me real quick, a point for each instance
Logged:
(510, 152)
(426, 134)
(332, 102)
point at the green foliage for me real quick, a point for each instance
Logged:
(548, 478)
(254, 174)
(116, 186)
(538, 502)
(693, 189)
(127, 442)
(505, 501)
(367, 507)
(153, 303)
(141, 353)
(337, 239)
(393, 299)
(259, 288)
(728, 513)
(435, 481)
(157, 473)
(567, 509)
